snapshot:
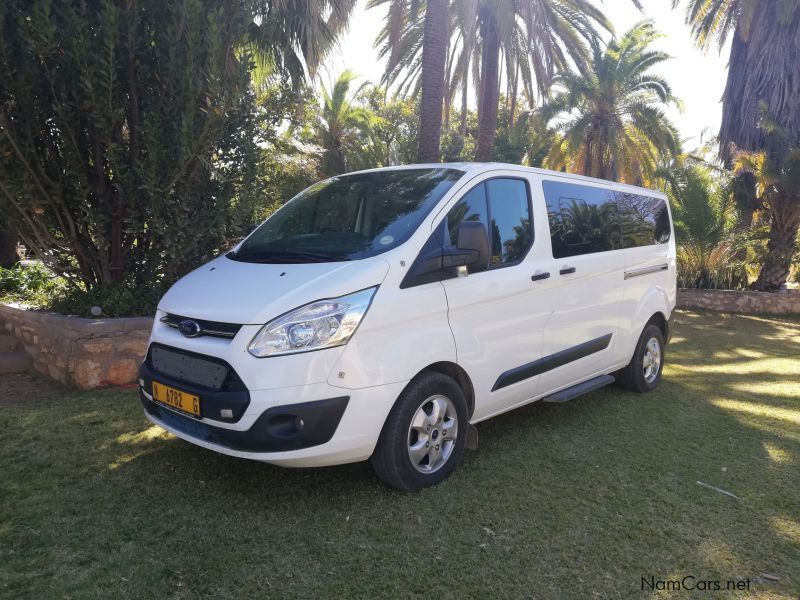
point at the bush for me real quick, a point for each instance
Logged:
(32, 284)
(114, 301)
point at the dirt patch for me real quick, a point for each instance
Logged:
(20, 388)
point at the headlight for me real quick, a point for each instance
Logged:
(321, 324)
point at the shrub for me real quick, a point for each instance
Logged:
(33, 284)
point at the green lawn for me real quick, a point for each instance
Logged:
(574, 500)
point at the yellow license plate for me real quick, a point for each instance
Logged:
(176, 399)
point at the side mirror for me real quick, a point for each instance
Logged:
(472, 237)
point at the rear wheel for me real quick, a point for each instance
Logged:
(424, 436)
(643, 373)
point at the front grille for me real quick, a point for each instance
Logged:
(211, 328)
(190, 368)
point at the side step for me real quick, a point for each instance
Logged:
(582, 388)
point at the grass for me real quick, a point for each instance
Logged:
(575, 500)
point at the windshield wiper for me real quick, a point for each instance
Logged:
(290, 256)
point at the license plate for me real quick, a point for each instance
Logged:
(184, 401)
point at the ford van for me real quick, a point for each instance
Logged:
(381, 314)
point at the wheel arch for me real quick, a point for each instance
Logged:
(457, 374)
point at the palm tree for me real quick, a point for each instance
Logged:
(776, 171)
(418, 45)
(762, 78)
(550, 33)
(609, 121)
(342, 125)
(434, 55)
(291, 39)
(709, 246)
(762, 70)
(531, 39)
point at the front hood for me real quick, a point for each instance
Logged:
(229, 291)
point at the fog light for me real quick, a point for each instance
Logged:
(226, 413)
(298, 423)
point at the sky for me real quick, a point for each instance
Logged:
(697, 77)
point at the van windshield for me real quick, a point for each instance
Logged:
(348, 217)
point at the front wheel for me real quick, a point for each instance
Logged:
(425, 434)
(643, 373)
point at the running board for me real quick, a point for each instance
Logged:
(582, 388)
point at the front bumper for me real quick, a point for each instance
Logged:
(280, 428)
(339, 425)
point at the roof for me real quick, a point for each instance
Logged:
(477, 167)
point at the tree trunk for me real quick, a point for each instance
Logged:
(784, 226)
(434, 55)
(464, 93)
(487, 125)
(8, 249)
(512, 111)
(746, 198)
(762, 78)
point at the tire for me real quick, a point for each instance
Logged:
(431, 407)
(636, 376)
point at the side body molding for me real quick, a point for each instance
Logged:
(548, 363)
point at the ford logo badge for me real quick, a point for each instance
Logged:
(190, 328)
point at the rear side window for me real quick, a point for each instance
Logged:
(645, 220)
(583, 219)
(503, 206)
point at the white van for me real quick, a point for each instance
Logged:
(381, 314)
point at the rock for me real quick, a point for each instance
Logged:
(122, 371)
(86, 373)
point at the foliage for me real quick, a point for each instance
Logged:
(609, 120)
(530, 41)
(31, 283)
(290, 38)
(284, 169)
(776, 173)
(129, 130)
(342, 124)
(127, 134)
(512, 140)
(709, 249)
(394, 131)
(115, 300)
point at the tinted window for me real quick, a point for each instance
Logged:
(583, 219)
(504, 204)
(511, 219)
(349, 217)
(472, 207)
(645, 220)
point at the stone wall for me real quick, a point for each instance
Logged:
(740, 302)
(83, 353)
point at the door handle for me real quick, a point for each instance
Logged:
(540, 276)
(567, 270)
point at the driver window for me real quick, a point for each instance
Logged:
(472, 207)
(504, 203)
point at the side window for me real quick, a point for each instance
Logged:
(504, 204)
(472, 207)
(583, 219)
(645, 220)
(509, 211)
